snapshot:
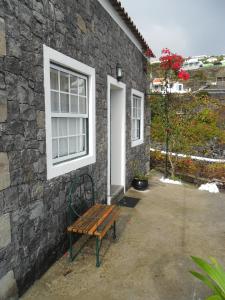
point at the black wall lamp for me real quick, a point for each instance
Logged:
(119, 72)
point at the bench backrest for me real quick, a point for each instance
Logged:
(81, 196)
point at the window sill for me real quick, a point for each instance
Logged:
(137, 143)
(68, 166)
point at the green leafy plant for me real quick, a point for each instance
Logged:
(136, 171)
(214, 278)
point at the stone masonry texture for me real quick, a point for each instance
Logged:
(2, 38)
(8, 287)
(5, 231)
(37, 207)
(4, 171)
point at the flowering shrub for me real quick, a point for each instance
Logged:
(188, 166)
(171, 66)
(183, 75)
(173, 62)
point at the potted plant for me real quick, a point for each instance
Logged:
(140, 180)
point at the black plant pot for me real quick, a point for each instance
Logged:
(139, 184)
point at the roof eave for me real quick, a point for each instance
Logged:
(130, 24)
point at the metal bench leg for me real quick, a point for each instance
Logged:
(98, 245)
(114, 230)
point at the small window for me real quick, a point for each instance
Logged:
(69, 113)
(137, 126)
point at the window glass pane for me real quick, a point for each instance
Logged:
(54, 82)
(77, 144)
(64, 101)
(64, 82)
(84, 126)
(54, 127)
(62, 126)
(82, 105)
(74, 104)
(81, 149)
(73, 84)
(72, 145)
(82, 87)
(134, 112)
(133, 129)
(54, 101)
(139, 103)
(139, 113)
(138, 129)
(78, 126)
(63, 146)
(73, 126)
(83, 142)
(54, 148)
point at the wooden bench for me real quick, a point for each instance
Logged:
(94, 219)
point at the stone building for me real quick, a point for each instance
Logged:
(63, 112)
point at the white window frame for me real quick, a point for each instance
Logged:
(141, 140)
(53, 56)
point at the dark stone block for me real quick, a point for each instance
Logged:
(12, 65)
(10, 199)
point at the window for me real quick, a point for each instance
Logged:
(70, 113)
(137, 126)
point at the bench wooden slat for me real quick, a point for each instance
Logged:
(80, 221)
(87, 214)
(84, 223)
(101, 232)
(89, 222)
(95, 219)
(108, 210)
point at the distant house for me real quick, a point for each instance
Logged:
(175, 87)
(192, 64)
(211, 59)
(72, 87)
(200, 57)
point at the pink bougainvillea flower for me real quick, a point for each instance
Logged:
(183, 75)
(166, 51)
(170, 61)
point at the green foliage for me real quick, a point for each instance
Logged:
(199, 75)
(192, 122)
(202, 94)
(213, 277)
(195, 168)
(138, 174)
(220, 58)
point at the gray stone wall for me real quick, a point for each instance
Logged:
(32, 208)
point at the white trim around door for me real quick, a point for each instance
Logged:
(119, 89)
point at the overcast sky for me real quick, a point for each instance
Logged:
(192, 27)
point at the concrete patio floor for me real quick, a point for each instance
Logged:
(151, 257)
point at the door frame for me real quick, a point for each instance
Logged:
(120, 85)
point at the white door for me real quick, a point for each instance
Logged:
(116, 135)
